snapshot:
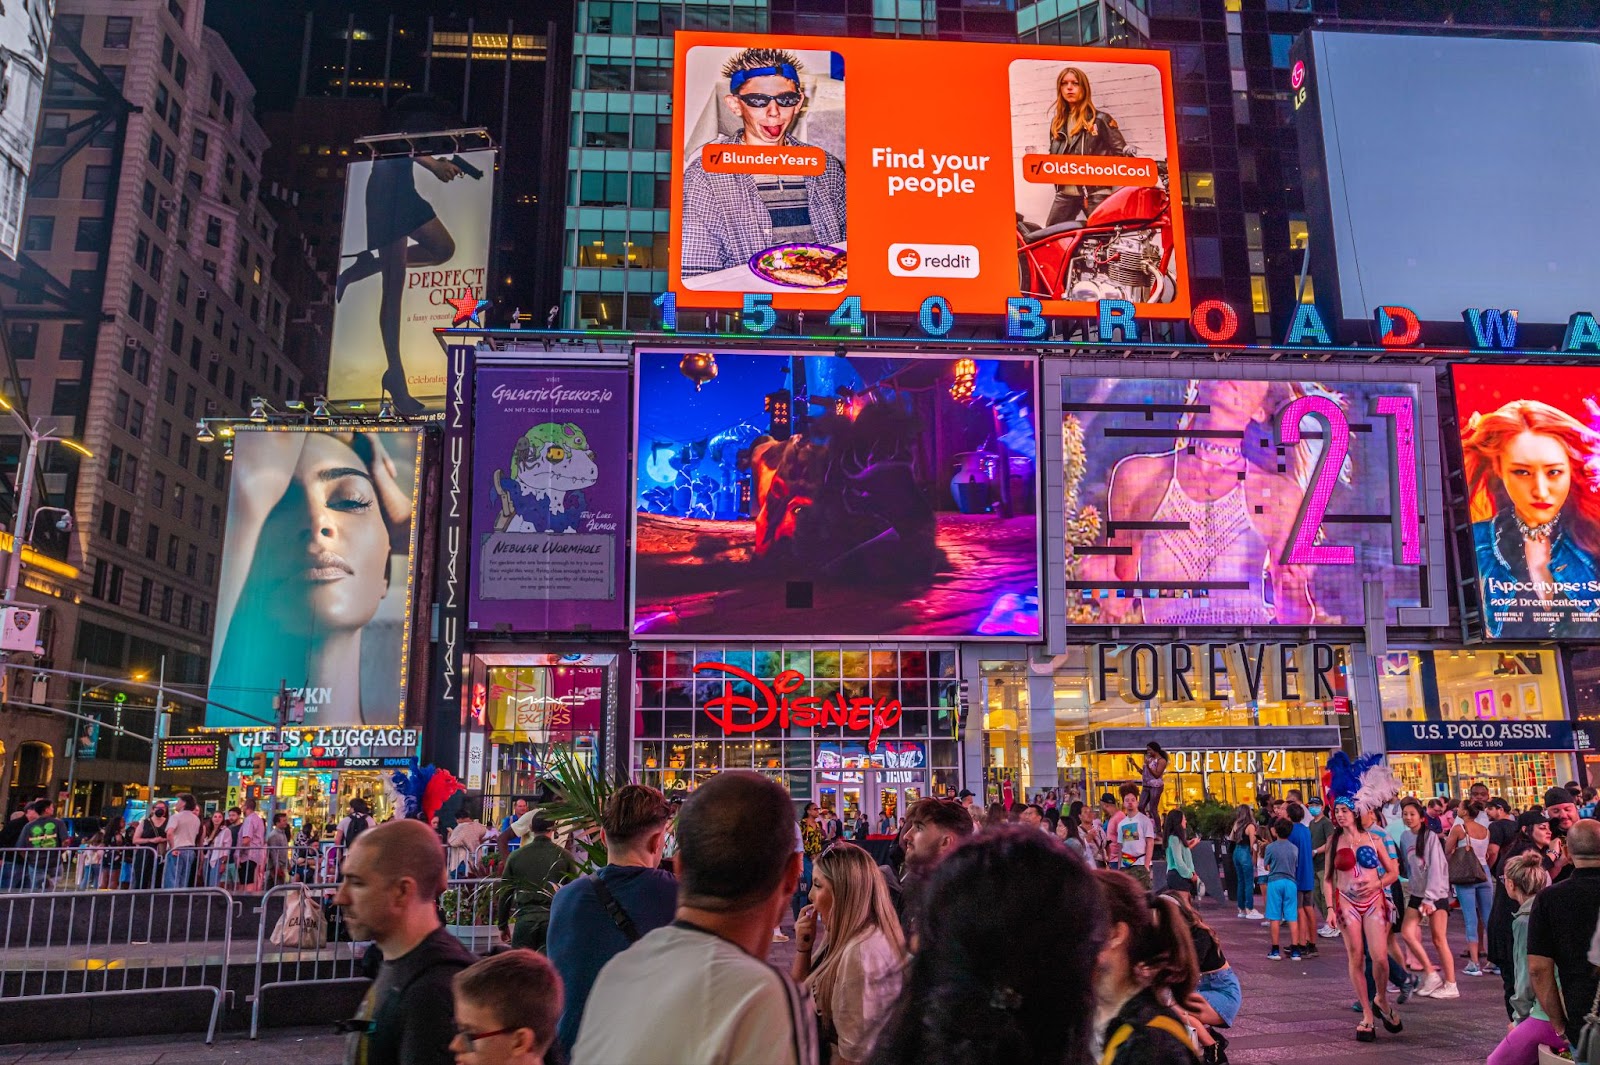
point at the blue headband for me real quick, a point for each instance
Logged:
(1347, 801)
(739, 77)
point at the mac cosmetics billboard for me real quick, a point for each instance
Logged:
(815, 496)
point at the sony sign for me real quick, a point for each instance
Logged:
(1213, 672)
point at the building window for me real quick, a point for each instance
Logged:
(67, 399)
(199, 144)
(24, 339)
(158, 490)
(1258, 295)
(96, 182)
(213, 231)
(119, 31)
(1280, 43)
(91, 234)
(152, 540)
(146, 588)
(53, 130)
(609, 77)
(191, 562)
(172, 552)
(40, 233)
(1199, 189)
(184, 446)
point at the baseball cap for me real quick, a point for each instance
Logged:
(1557, 797)
(1106, 796)
(1532, 819)
(1497, 803)
(964, 794)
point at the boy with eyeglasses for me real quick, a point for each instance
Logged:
(506, 1010)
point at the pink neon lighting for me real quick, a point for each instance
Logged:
(1303, 548)
(1403, 475)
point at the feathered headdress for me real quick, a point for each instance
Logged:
(1363, 784)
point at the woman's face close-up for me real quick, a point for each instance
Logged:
(822, 898)
(1071, 89)
(331, 543)
(1537, 473)
(1232, 403)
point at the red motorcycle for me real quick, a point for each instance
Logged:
(1122, 250)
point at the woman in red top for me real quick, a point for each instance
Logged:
(1358, 874)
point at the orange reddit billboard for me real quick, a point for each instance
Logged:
(818, 168)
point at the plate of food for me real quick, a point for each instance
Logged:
(816, 266)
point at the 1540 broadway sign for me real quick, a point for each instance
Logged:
(775, 703)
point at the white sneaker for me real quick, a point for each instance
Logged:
(1240, 915)
(1431, 984)
(1445, 990)
(1255, 915)
(778, 936)
(1328, 932)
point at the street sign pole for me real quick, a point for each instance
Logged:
(155, 742)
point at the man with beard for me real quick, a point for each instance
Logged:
(1562, 810)
(933, 828)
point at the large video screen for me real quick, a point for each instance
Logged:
(416, 235)
(813, 496)
(806, 174)
(1250, 499)
(316, 583)
(1530, 445)
(549, 516)
(1423, 134)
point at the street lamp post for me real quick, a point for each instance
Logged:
(155, 742)
(36, 437)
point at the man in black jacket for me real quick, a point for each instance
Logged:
(389, 891)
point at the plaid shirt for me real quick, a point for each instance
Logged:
(724, 216)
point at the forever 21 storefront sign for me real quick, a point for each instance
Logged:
(1478, 735)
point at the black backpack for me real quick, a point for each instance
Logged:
(359, 823)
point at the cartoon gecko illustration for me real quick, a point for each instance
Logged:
(550, 467)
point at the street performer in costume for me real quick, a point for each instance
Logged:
(1359, 872)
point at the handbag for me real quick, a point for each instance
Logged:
(302, 925)
(1465, 869)
(1587, 1052)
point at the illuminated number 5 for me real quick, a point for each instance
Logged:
(1303, 547)
(1403, 477)
(758, 315)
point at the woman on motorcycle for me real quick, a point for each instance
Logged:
(1080, 128)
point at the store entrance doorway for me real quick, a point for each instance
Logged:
(881, 784)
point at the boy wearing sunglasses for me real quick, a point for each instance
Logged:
(730, 217)
(506, 1010)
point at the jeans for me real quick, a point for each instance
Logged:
(1476, 901)
(1221, 989)
(180, 869)
(1397, 975)
(802, 891)
(1244, 873)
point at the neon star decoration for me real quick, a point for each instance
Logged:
(469, 308)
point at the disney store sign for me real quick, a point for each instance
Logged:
(776, 703)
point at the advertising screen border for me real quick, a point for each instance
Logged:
(1042, 513)
(1431, 505)
(408, 611)
(847, 47)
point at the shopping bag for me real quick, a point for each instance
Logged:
(301, 926)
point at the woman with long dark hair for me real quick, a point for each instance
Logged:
(996, 816)
(855, 975)
(1078, 127)
(1242, 841)
(1428, 899)
(1147, 962)
(1069, 830)
(1218, 995)
(1358, 873)
(1180, 862)
(1009, 936)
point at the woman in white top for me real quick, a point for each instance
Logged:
(1427, 899)
(1475, 898)
(855, 977)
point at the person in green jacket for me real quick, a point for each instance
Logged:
(531, 876)
(1525, 877)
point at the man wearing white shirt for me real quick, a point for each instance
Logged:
(699, 991)
(183, 834)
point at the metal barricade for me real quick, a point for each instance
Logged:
(302, 939)
(469, 909)
(82, 944)
(87, 867)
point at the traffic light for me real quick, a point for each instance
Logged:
(260, 764)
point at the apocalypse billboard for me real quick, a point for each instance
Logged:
(1391, 132)
(316, 585)
(550, 510)
(1227, 495)
(840, 495)
(809, 173)
(416, 235)
(25, 43)
(1530, 448)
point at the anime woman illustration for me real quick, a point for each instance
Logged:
(1221, 482)
(1533, 485)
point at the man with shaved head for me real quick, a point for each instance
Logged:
(389, 891)
(1560, 927)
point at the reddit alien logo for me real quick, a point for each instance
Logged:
(909, 259)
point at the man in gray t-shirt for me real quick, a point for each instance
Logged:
(1282, 858)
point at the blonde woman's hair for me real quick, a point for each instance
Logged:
(861, 906)
(1527, 874)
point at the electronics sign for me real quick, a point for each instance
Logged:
(1247, 499)
(1530, 443)
(781, 494)
(812, 180)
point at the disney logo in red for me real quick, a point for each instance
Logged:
(776, 702)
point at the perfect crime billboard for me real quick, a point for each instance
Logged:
(1229, 495)
(549, 512)
(416, 235)
(1530, 446)
(811, 172)
(316, 582)
(846, 495)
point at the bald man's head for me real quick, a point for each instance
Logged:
(401, 849)
(1583, 842)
